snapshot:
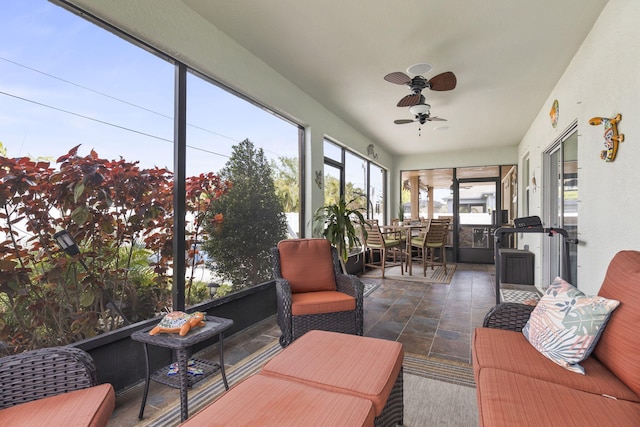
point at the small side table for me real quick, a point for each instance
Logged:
(182, 346)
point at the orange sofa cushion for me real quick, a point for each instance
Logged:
(350, 364)
(87, 407)
(510, 351)
(266, 401)
(307, 264)
(321, 302)
(618, 345)
(509, 399)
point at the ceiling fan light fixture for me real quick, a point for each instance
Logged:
(419, 109)
(417, 69)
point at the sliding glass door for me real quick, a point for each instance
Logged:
(561, 205)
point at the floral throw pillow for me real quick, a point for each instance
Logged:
(566, 324)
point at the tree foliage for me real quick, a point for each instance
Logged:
(253, 220)
(286, 182)
(117, 213)
(356, 195)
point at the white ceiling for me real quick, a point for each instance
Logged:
(507, 56)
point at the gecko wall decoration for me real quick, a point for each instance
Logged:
(370, 152)
(611, 136)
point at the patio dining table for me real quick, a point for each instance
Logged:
(407, 230)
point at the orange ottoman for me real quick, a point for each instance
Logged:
(91, 407)
(359, 366)
(267, 401)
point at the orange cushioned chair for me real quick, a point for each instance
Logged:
(55, 386)
(312, 292)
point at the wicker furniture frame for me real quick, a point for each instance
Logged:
(393, 412)
(508, 315)
(182, 346)
(293, 327)
(43, 373)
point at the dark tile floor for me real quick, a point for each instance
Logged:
(429, 319)
(432, 319)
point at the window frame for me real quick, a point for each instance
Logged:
(179, 160)
(341, 165)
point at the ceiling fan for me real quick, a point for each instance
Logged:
(442, 82)
(422, 114)
(421, 118)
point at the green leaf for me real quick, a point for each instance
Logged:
(80, 215)
(87, 299)
(585, 320)
(14, 284)
(336, 223)
(77, 192)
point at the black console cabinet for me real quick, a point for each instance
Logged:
(516, 266)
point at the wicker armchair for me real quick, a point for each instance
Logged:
(44, 375)
(508, 315)
(312, 292)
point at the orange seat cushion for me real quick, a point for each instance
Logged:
(510, 351)
(508, 399)
(87, 407)
(321, 302)
(618, 345)
(307, 264)
(350, 364)
(266, 401)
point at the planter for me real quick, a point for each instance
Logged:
(354, 263)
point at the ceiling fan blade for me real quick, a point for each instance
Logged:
(409, 100)
(403, 121)
(444, 81)
(398, 78)
(436, 119)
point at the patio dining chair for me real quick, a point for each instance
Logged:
(312, 292)
(431, 243)
(383, 245)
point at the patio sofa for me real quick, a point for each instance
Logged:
(54, 386)
(517, 385)
(321, 379)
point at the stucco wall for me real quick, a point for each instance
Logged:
(601, 80)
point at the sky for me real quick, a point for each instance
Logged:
(65, 81)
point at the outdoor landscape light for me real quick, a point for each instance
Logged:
(69, 246)
(66, 243)
(213, 288)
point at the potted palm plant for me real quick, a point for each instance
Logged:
(337, 223)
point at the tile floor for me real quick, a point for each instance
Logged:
(432, 319)
(429, 319)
